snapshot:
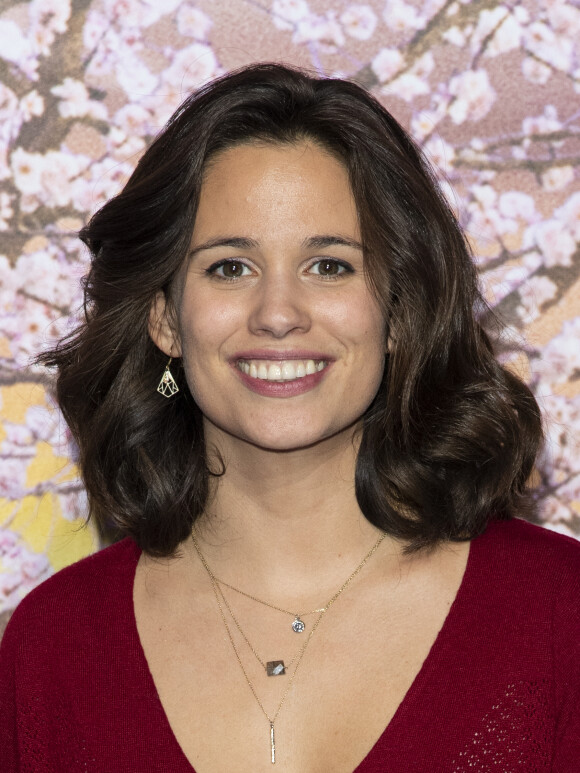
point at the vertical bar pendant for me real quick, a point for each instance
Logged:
(272, 743)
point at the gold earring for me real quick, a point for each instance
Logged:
(167, 386)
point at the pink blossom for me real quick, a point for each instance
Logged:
(34, 327)
(485, 219)
(43, 423)
(130, 13)
(561, 357)
(474, 96)
(75, 101)
(542, 124)
(569, 215)
(133, 120)
(193, 22)
(387, 63)
(502, 281)
(130, 150)
(22, 569)
(424, 123)
(557, 245)
(402, 17)
(6, 211)
(74, 505)
(46, 178)
(533, 294)
(153, 10)
(315, 28)
(105, 180)
(424, 66)
(359, 21)
(31, 105)
(535, 72)
(498, 29)
(18, 441)
(191, 68)
(451, 197)
(18, 49)
(556, 516)
(58, 169)
(407, 86)
(564, 18)
(517, 204)
(52, 14)
(133, 76)
(94, 29)
(556, 50)
(455, 36)
(12, 478)
(27, 170)
(532, 261)
(507, 38)
(8, 286)
(4, 165)
(441, 153)
(48, 18)
(286, 13)
(557, 178)
(11, 117)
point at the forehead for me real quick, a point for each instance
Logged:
(260, 183)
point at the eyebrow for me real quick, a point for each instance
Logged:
(244, 243)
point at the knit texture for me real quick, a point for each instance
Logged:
(499, 691)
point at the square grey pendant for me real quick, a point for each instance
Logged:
(275, 668)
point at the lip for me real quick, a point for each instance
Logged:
(281, 388)
(280, 354)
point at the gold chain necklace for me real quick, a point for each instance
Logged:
(298, 657)
(298, 625)
(272, 667)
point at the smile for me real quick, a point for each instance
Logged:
(280, 370)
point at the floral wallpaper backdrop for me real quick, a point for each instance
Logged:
(491, 90)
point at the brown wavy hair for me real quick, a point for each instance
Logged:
(451, 437)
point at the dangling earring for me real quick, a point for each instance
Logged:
(167, 386)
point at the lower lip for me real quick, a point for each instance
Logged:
(297, 386)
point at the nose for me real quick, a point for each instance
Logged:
(280, 307)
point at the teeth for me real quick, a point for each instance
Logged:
(274, 373)
(287, 370)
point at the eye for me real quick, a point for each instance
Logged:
(229, 269)
(330, 268)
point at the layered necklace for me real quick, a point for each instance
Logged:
(274, 667)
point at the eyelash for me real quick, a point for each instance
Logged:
(214, 268)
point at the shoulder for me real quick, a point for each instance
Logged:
(525, 546)
(533, 572)
(79, 595)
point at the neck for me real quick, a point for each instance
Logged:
(285, 522)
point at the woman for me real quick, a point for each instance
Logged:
(284, 403)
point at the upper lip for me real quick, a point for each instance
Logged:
(279, 354)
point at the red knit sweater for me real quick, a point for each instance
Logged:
(499, 691)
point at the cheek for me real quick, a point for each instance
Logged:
(204, 326)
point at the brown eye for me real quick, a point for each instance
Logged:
(229, 269)
(232, 269)
(330, 268)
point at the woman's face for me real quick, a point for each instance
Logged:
(282, 342)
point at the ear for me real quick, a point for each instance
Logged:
(163, 327)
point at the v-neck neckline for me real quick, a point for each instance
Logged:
(405, 708)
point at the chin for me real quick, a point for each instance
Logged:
(298, 438)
